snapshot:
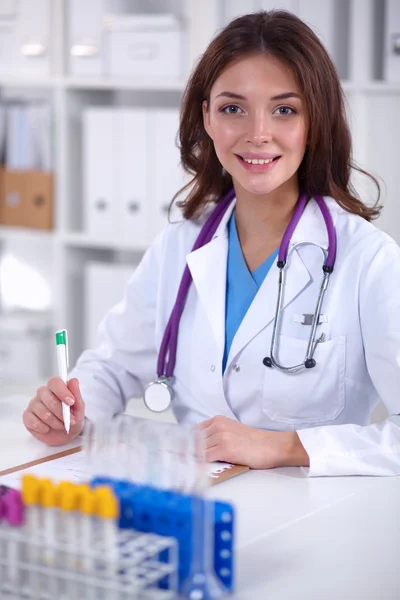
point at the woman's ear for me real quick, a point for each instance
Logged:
(206, 118)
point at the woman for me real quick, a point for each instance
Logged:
(263, 112)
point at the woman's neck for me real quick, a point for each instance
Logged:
(264, 216)
(261, 222)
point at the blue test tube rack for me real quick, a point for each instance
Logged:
(168, 513)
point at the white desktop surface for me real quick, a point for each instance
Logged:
(296, 537)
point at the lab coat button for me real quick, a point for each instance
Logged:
(212, 367)
(236, 368)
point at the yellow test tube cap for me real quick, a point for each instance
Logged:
(48, 493)
(67, 496)
(106, 503)
(30, 489)
(87, 500)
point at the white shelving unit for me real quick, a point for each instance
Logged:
(374, 110)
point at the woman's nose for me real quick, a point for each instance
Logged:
(260, 129)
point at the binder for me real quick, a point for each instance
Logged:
(166, 174)
(361, 45)
(392, 41)
(85, 36)
(104, 288)
(14, 143)
(329, 20)
(100, 214)
(133, 161)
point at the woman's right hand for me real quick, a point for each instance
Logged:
(43, 416)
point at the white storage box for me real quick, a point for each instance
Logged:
(25, 347)
(143, 46)
(85, 22)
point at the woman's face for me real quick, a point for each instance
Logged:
(258, 123)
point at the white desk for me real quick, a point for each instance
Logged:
(297, 538)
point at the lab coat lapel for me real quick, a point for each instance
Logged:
(262, 310)
(208, 269)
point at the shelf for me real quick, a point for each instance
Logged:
(123, 83)
(372, 87)
(28, 82)
(25, 233)
(83, 240)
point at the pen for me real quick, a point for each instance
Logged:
(63, 364)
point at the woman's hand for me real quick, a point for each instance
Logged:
(43, 416)
(230, 441)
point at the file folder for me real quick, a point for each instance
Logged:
(135, 163)
(392, 41)
(99, 162)
(167, 175)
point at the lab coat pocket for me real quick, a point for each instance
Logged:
(312, 395)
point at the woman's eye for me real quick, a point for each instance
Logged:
(285, 110)
(232, 109)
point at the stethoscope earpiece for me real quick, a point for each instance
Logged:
(267, 362)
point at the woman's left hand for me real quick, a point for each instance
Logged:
(230, 441)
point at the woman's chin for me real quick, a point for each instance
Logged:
(258, 188)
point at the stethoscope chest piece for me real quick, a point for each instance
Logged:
(158, 395)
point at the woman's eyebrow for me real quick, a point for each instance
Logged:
(232, 95)
(283, 96)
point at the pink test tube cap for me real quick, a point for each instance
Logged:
(14, 507)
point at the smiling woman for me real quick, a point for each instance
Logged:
(264, 131)
(266, 88)
(227, 316)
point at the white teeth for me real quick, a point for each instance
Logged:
(258, 161)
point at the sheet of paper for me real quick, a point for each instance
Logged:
(69, 468)
(74, 468)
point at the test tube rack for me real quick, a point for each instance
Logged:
(32, 566)
(169, 513)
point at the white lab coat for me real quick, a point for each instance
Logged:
(329, 406)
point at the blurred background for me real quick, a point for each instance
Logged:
(89, 104)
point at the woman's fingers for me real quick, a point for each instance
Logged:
(61, 391)
(33, 423)
(79, 405)
(43, 412)
(53, 404)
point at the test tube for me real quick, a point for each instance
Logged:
(68, 501)
(202, 581)
(48, 497)
(30, 495)
(107, 511)
(87, 508)
(3, 543)
(14, 513)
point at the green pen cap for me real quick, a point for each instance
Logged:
(61, 337)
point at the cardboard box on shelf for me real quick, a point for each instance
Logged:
(26, 199)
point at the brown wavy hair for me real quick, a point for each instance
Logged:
(327, 162)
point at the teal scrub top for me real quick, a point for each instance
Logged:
(241, 285)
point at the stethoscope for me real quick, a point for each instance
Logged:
(159, 393)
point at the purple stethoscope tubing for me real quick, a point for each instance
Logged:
(170, 338)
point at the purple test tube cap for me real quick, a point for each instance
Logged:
(13, 508)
